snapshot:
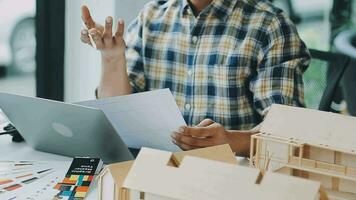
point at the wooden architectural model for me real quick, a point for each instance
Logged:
(150, 178)
(112, 177)
(161, 175)
(311, 144)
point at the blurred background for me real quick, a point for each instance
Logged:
(41, 54)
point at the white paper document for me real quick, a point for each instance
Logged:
(144, 119)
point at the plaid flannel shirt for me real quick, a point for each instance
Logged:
(229, 64)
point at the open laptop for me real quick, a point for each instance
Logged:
(63, 128)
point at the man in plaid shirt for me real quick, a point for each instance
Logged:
(225, 61)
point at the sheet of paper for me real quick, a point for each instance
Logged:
(144, 119)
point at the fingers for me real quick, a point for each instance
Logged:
(101, 37)
(184, 147)
(84, 36)
(205, 123)
(107, 35)
(120, 29)
(97, 38)
(205, 134)
(192, 141)
(86, 17)
(200, 132)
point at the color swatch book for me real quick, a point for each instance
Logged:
(30, 179)
(78, 179)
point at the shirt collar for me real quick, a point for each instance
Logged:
(184, 6)
(220, 8)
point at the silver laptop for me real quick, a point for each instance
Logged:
(63, 128)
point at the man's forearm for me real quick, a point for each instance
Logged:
(240, 142)
(114, 79)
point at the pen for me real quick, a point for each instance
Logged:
(91, 39)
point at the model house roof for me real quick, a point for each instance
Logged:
(312, 127)
(198, 178)
(113, 176)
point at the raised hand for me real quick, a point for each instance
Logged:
(112, 46)
(114, 78)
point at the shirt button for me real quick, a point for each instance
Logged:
(190, 72)
(187, 106)
(194, 39)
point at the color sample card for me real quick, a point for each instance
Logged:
(77, 181)
(30, 179)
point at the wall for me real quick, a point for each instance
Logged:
(82, 63)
